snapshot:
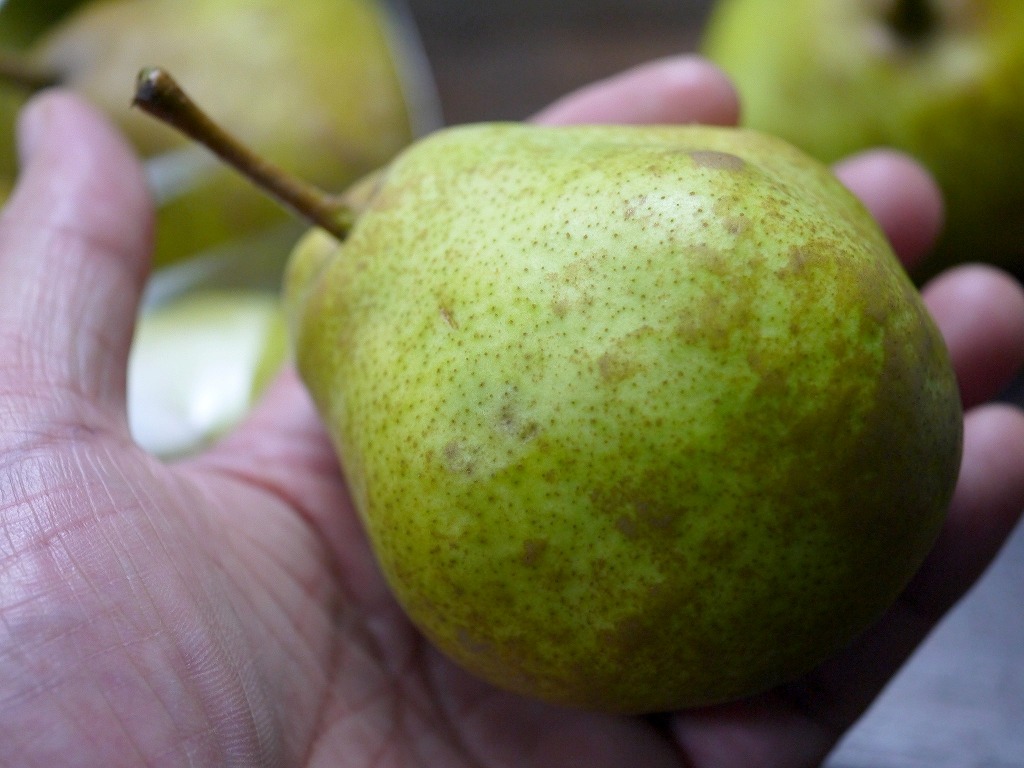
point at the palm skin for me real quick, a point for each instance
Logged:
(226, 610)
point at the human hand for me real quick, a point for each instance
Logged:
(226, 609)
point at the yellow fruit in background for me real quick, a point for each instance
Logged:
(331, 88)
(942, 80)
(22, 21)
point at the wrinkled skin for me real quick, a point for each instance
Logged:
(226, 610)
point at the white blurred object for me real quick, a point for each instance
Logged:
(211, 325)
(197, 363)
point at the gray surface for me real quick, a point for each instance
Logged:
(960, 701)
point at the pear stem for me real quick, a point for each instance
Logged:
(18, 70)
(158, 93)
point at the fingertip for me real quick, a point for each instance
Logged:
(901, 195)
(60, 135)
(689, 89)
(41, 115)
(979, 309)
(992, 475)
(676, 89)
(30, 124)
(991, 482)
(75, 240)
(985, 509)
(694, 90)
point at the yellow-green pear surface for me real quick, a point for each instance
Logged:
(940, 79)
(636, 418)
(327, 93)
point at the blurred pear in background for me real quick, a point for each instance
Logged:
(330, 89)
(940, 79)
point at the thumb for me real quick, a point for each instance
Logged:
(283, 447)
(74, 251)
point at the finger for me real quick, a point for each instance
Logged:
(282, 446)
(902, 197)
(980, 312)
(799, 723)
(679, 89)
(74, 245)
(280, 437)
(986, 506)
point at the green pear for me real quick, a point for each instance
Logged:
(12, 99)
(335, 97)
(636, 418)
(197, 364)
(939, 79)
(22, 21)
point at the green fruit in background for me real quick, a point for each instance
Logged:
(333, 97)
(197, 364)
(12, 99)
(636, 418)
(940, 79)
(22, 21)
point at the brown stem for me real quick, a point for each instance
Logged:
(18, 70)
(160, 95)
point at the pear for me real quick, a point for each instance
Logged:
(336, 97)
(940, 79)
(636, 418)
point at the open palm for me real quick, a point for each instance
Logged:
(226, 610)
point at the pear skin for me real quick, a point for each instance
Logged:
(636, 419)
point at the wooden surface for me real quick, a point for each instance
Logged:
(960, 702)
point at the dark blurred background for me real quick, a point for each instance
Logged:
(505, 59)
